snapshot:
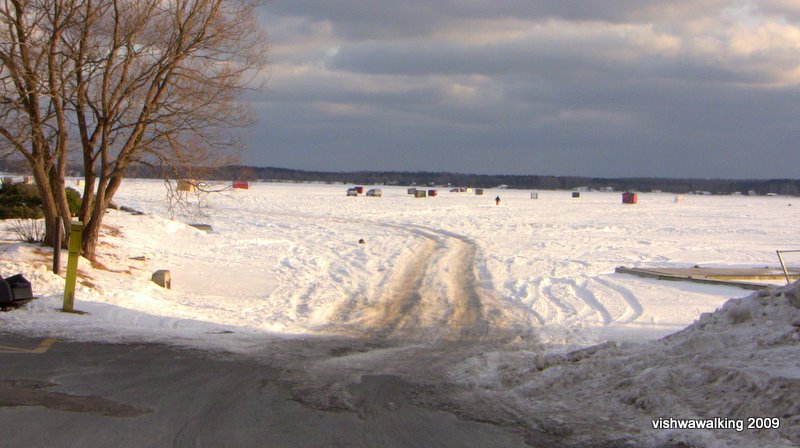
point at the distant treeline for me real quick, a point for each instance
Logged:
(789, 187)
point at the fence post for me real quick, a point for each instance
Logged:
(57, 247)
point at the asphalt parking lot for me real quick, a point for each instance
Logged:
(71, 394)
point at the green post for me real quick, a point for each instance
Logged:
(75, 241)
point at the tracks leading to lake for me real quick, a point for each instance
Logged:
(435, 295)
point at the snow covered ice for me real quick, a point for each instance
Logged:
(515, 306)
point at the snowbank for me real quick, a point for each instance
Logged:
(735, 369)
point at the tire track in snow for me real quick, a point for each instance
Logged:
(549, 310)
(467, 319)
(571, 301)
(403, 294)
(590, 299)
(433, 295)
(443, 266)
(563, 308)
(530, 302)
(634, 308)
(437, 296)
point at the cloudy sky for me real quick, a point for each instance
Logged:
(686, 88)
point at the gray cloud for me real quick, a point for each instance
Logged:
(366, 19)
(628, 88)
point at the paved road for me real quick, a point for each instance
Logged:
(70, 394)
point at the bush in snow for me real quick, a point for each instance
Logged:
(22, 201)
(28, 230)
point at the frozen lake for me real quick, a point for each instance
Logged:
(286, 258)
(480, 305)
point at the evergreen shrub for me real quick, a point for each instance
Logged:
(22, 201)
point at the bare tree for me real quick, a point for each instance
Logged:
(33, 115)
(150, 81)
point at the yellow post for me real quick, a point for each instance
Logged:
(75, 241)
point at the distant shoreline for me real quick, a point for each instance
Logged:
(757, 187)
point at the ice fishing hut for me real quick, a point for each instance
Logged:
(576, 194)
(412, 191)
(432, 193)
(420, 193)
(359, 189)
(629, 198)
(479, 192)
(241, 185)
(534, 195)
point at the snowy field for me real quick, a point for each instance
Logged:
(285, 258)
(529, 280)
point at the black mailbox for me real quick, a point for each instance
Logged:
(15, 290)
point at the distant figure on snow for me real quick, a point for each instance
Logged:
(497, 200)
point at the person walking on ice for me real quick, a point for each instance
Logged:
(497, 200)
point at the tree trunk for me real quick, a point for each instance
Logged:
(49, 206)
(87, 203)
(91, 231)
(59, 193)
(91, 225)
(91, 235)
